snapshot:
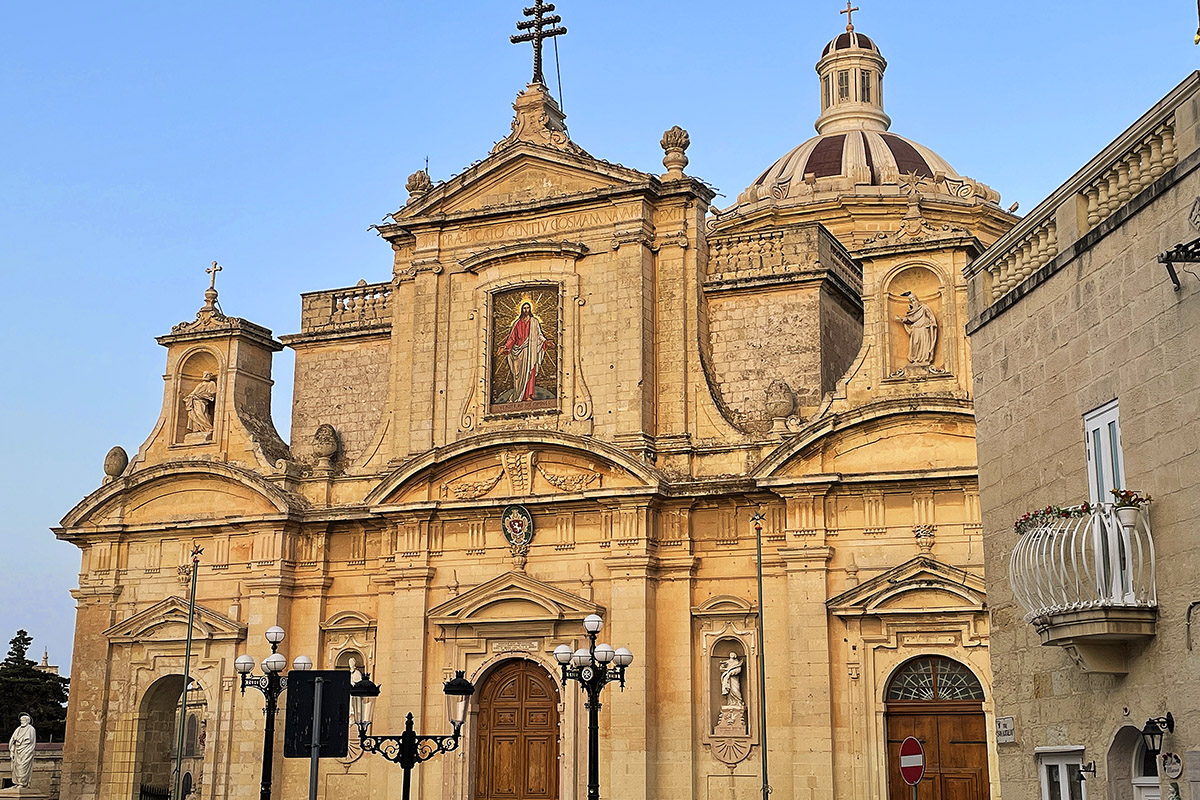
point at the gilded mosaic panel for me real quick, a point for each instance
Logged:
(524, 361)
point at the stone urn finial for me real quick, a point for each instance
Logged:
(325, 446)
(781, 400)
(418, 184)
(115, 463)
(675, 142)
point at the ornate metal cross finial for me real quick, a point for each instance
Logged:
(849, 12)
(537, 32)
(213, 270)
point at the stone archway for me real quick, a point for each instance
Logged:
(1132, 772)
(940, 702)
(157, 738)
(517, 734)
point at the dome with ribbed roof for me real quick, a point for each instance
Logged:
(846, 160)
(854, 150)
(851, 39)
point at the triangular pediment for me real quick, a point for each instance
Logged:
(166, 621)
(921, 585)
(525, 175)
(513, 597)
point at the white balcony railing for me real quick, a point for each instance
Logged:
(1085, 563)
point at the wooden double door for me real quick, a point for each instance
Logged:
(954, 737)
(518, 735)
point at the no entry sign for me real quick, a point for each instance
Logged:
(912, 761)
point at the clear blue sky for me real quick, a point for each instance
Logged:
(142, 140)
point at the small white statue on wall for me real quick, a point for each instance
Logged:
(21, 746)
(922, 328)
(731, 681)
(201, 404)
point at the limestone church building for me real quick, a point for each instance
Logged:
(641, 373)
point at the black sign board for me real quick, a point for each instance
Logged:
(335, 713)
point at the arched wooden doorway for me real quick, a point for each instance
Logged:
(940, 702)
(518, 734)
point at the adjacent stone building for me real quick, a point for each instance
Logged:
(600, 351)
(1087, 379)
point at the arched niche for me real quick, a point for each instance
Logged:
(196, 393)
(729, 687)
(158, 735)
(905, 292)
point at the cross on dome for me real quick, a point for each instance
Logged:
(849, 12)
(537, 33)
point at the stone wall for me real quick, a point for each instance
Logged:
(1099, 322)
(47, 768)
(343, 383)
(783, 304)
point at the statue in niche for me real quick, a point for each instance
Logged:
(922, 328)
(731, 681)
(524, 369)
(21, 746)
(731, 719)
(201, 404)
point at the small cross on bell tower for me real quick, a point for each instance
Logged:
(537, 32)
(849, 12)
(210, 294)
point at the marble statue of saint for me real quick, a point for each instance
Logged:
(20, 750)
(922, 329)
(201, 402)
(525, 348)
(731, 680)
(356, 675)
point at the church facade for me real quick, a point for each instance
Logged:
(633, 375)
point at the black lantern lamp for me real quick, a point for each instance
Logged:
(458, 692)
(362, 703)
(1152, 733)
(409, 749)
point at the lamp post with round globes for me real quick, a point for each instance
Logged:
(593, 668)
(271, 683)
(408, 749)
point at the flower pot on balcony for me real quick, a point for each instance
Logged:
(1127, 516)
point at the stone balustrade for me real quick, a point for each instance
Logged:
(1130, 174)
(1111, 186)
(1024, 258)
(361, 307)
(778, 255)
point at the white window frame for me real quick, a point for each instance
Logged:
(1105, 460)
(1058, 759)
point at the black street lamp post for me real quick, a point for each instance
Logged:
(271, 683)
(593, 668)
(409, 749)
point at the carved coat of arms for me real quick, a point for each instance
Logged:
(518, 525)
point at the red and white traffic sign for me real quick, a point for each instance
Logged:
(912, 761)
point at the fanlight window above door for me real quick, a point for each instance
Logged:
(934, 679)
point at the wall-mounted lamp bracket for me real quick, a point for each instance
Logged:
(1180, 254)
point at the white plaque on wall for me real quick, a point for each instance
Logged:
(1006, 730)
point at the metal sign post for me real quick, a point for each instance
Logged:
(315, 758)
(912, 763)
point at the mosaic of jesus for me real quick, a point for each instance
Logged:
(525, 365)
